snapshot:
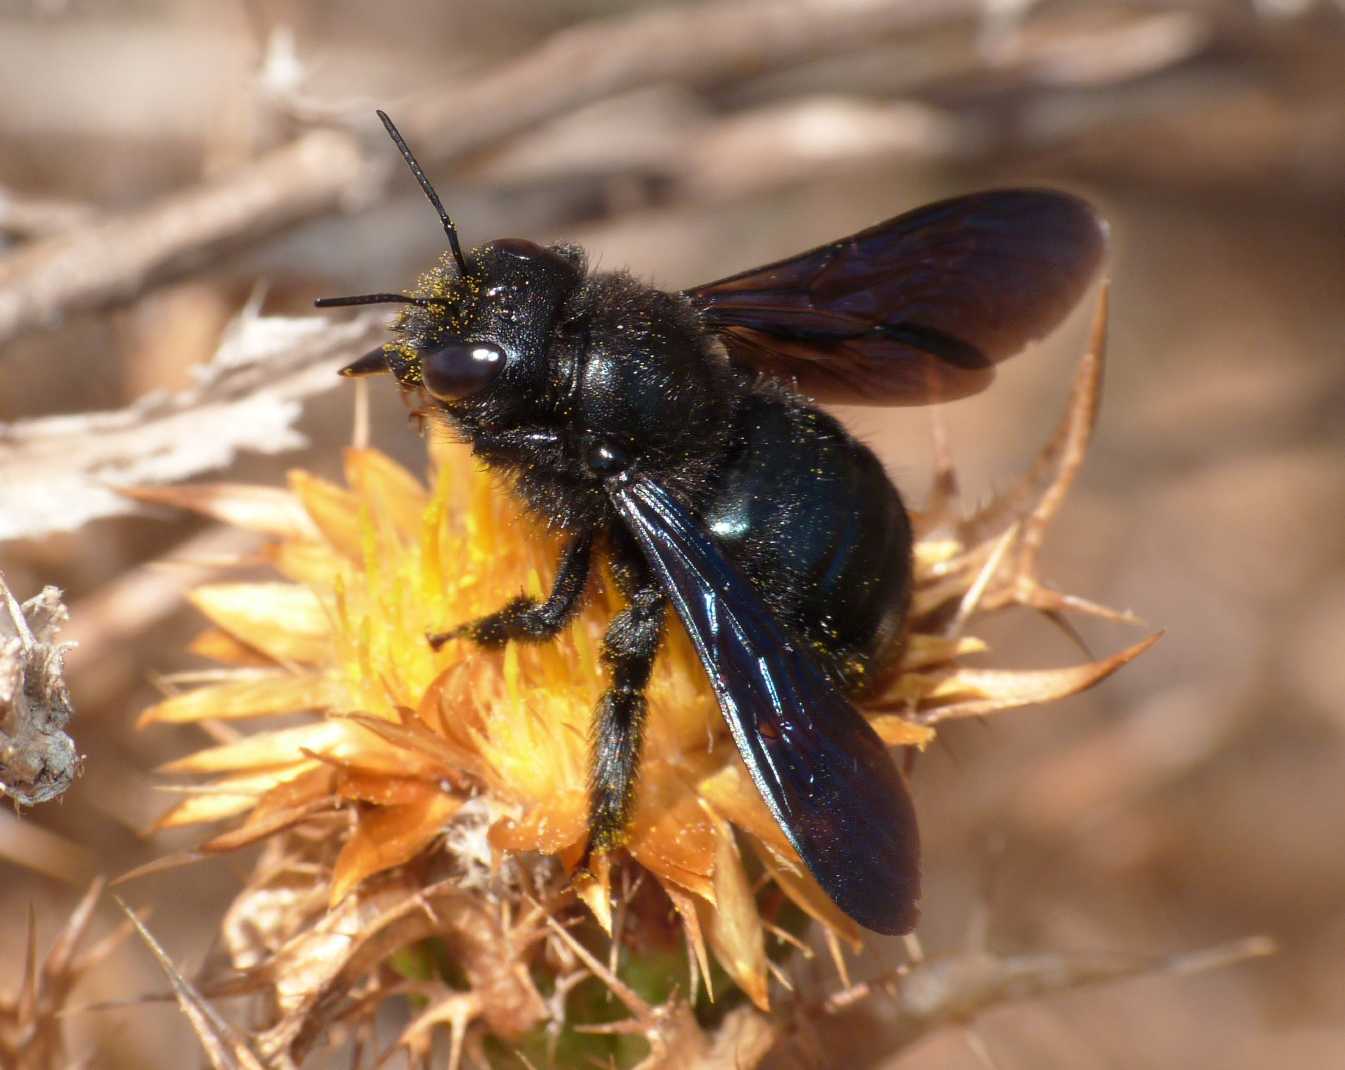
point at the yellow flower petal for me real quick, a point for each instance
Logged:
(200, 809)
(230, 796)
(808, 897)
(735, 798)
(218, 645)
(552, 828)
(314, 564)
(280, 808)
(992, 690)
(409, 747)
(688, 909)
(268, 510)
(387, 490)
(595, 889)
(389, 836)
(896, 731)
(262, 749)
(254, 696)
(733, 924)
(382, 788)
(335, 511)
(670, 833)
(314, 781)
(282, 620)
(923, 651)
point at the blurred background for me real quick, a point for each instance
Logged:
(166, 166)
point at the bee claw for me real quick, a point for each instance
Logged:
(438, 639)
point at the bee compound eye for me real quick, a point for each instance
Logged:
(519, 248)
(457, 370)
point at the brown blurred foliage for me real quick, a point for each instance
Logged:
(1195, 798)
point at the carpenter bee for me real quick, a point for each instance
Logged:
(677, 434)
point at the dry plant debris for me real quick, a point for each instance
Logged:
(30, 1020)
(323, 171)
(223, 1045)
(423, 820)
(80, 260)
(38, 760)
(60, 472)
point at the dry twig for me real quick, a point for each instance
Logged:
(324, 170)
(226, 1048)
(954, 989)
(35, 217)
(60, 472)
(114, 260)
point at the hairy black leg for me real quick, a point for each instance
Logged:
(526, 618)
(618, 723)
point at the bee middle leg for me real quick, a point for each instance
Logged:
(526, 618)
(629, 650)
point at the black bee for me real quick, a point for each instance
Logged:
(676, 434)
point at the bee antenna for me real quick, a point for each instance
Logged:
(416, 170)
(379, 299)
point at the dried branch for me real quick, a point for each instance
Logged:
(27, 845)
(824, 121)
(954, 989)
(324, 170)
(226, 1048)
(687, 46)
(114, 260)
(34, 217)
(38, 760)
(62, 471)
(1018, 89)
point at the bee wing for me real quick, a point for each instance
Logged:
(918, 308)
(818, 764)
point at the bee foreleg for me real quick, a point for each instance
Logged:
(526, 618)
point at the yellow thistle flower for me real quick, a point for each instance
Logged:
(403, 739)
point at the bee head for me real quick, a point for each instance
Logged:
(492, 322)
(474, 318)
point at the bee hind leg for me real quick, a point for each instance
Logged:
(629, 650)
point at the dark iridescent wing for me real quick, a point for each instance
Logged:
(919, 308)
(821, 768)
